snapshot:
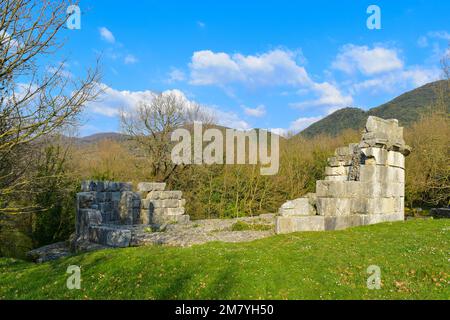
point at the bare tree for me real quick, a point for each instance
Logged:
(36, 99)
(151, 125)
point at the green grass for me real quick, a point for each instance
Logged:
(413, 257)
(244, 226)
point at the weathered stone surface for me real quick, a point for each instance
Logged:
(300, 206)
(335, 178)
(337, 171)
(86, 199)
(110, 236)
(396, 159)
(168, 203)
(151, 186)
(167, 211)
(86, 218)
(169, 218)
(333, 206)
(163, 195)
(299, 223)
(50, 252)
(384, 133)
(201, 231)
(129, 207)
(364, 182)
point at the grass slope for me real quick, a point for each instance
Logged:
(413, 257)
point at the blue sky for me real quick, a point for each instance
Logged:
(269, 64)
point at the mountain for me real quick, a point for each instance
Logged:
(407, 108)
(97, 137)
(120, 137)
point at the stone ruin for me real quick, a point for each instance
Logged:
(107, 211)
(364, 184)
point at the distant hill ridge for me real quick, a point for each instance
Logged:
(407, 108)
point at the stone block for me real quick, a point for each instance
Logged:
(86, 218)
(333, 206)
(151, 186)
(336, 178)
(113, 237)
(342, 151)
(379, 154)
(334, 162)
(125, 186)
(396, 159)
(163, 195)
(136, 203)
(326, 188)
(86, 199)
(105, 206)
(381, 205)
(127, 208)
(168, 203)
(392, 189)
(300, 206)
(169, 218)
(359, 205)
(337, 171)
(167, 211)
(378, 218)
(299, 223)
(115, 196)
(342, 222)
(354, 189)
(145, 217)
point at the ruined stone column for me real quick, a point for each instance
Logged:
(364, 184)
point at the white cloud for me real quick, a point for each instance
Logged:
(367, 61)
(303, 122)
(130, 59)
(201, 24)
(404, 79)
(296, 126)
(176, 75)
(107, 35)
(112, 101)
(258, 112)
(328, 96)
(276, 67)
(444, 35)
(280, 131)
(273, 68)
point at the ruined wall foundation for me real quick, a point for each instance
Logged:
(364, 184)
(107, 211)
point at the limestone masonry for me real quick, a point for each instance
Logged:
(364, 184)
(105, 208)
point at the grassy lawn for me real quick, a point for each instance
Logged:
(413, 257)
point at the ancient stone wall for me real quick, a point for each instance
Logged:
(105, 208)
(364, 184)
